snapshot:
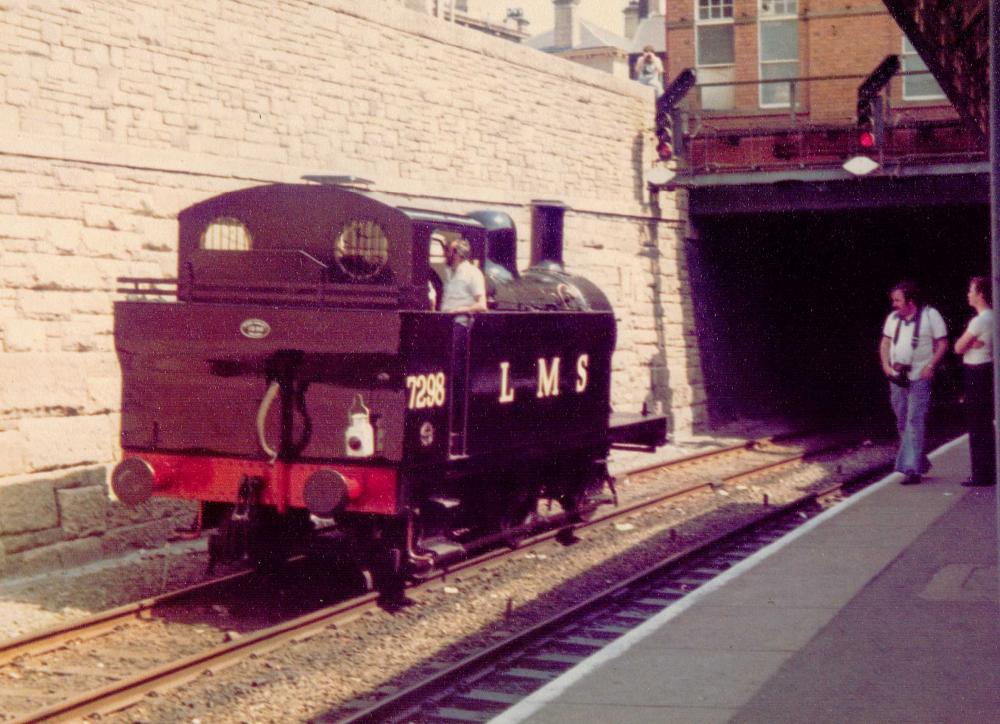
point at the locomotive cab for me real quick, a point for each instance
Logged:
(303, 372)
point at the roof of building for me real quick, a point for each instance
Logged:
(651, 31)
(591, 36)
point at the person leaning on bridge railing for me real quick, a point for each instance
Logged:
(649, 70)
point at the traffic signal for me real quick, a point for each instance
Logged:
(669, 134)
(871, 122)
(664, 132)
(866, 123)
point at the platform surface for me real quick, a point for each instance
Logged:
(883, 609)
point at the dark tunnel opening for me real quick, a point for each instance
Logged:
(790, 306)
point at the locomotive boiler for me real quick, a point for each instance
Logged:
(298, 381)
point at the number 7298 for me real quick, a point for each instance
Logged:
(426, 390)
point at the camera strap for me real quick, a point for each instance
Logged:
(916, 329)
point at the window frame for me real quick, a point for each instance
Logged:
(763, 18)
(903, 55)
(700, 22)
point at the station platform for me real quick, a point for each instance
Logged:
(884, 608)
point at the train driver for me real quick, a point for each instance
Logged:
(464, 285)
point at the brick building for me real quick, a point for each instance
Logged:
(778, 79)
(802, 249)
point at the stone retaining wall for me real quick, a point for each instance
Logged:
(117, 115)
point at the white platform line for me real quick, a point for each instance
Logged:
(556, 687)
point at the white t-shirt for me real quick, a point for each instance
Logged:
(981, 327)
(461, 287)
(901, 351)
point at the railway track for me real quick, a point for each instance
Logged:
(490, 681)
(719, 467)
(486, 683)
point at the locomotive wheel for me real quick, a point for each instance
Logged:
(519, 511)
(584, 501)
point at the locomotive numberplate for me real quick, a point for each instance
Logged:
(426, 390)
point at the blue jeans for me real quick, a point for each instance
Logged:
(911, 405)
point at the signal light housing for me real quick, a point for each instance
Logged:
(669, 133)
(871, 106)
(664, 133)
(866, 123)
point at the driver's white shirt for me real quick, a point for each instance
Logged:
(462, 286)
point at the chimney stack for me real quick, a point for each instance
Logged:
(631, 18)
(547, 219)
(567, 30)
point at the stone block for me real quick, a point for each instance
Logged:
(14, 277)
(121, 516)
(67, 272)
(90, 303)
(36, 381)
(21, 227)
(27, 506)
(20, 542)
(62, 237)
(82, 511)
(101, 217)
(49, 203)
(34, 304)
(24, 335)
(75, 177)
(143, 535)
(80, 552)
(82, 334)
(29, 562)
(11, 453)
(62, 555)
(66, 440)
(104, 394)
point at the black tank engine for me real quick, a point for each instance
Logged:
(297, 380)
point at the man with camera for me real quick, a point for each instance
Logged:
(649, 70)
(914, 341)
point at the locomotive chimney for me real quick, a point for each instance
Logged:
(547, 232)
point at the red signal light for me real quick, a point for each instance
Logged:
(664, 151)
(866, 139)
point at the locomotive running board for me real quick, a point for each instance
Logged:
(632, 430)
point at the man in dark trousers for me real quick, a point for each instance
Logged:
(914, 340)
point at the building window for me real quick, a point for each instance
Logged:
(921, 87)
(715, 52)
(778, 40)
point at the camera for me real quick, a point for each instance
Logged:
(902, 374)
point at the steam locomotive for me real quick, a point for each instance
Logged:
(298, 381)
